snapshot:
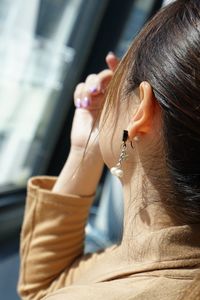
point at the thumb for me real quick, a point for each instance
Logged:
(112, 61)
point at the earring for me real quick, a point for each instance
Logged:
(117, 171)
(136, 138)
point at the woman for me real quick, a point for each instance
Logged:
(149, 136)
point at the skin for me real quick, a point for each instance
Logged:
(141, 116)
(81, 176)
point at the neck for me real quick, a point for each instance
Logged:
(144, 211)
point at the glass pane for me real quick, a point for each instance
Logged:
(138, 16)
(33, 64)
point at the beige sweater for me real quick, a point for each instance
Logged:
(53, 267)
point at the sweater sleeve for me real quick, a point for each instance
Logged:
(52, 238)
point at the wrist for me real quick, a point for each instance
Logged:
(81, 172)
(88, 152)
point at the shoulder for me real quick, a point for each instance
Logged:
(133, 288)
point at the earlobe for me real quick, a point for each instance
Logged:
(142, 120)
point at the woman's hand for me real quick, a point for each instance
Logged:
(89, 100)
(84, 165)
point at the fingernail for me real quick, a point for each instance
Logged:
(78, 102)
(110, 53)
(85, 102)
(93, 89)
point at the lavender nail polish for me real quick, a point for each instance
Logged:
(85, 102)
(78, 103)
(93, 89)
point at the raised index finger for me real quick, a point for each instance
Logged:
(112, 61)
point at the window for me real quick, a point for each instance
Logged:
(35, 59)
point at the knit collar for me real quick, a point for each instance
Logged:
(176, 247)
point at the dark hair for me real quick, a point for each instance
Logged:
(167, 55)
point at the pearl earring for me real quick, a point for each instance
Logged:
(117, 171)
(136, 138)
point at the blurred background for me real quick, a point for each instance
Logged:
(46, 48)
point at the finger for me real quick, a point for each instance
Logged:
(112, 61)
(105, 78)
(91, 101)
(89, 94)
(83, 98)
(79, 90)
(97, 83)
(93, 84)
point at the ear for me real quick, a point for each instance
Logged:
(142, 119)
